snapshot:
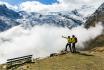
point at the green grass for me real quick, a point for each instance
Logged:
(67, 62)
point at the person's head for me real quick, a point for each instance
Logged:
(73, 35)
(68, 36)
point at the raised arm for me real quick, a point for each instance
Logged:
(64, 37)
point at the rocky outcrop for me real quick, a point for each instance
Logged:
(97, 16)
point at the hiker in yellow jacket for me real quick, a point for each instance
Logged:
(68, 43)
(74, 41)
(71, 43)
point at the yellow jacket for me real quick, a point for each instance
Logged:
(71, 40)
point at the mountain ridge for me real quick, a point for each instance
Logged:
(10, 18)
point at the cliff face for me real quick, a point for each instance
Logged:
(97, 16)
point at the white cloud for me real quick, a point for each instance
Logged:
(78, 3)
(81, 1)
(41, 41)
(63, 5)
(36, 6)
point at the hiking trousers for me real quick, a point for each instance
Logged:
(73, 48)
(68, 44)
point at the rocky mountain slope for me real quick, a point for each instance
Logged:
(68, 62)
(97, 16)
(79, 61)
(7, 18)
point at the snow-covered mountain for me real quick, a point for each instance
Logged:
(7, 18)
(10, 18)
(70, 19)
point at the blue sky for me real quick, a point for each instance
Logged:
(13, 2)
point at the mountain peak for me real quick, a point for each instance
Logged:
(4, 11)
(3, 6)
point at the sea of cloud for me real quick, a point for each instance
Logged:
(41, 41)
